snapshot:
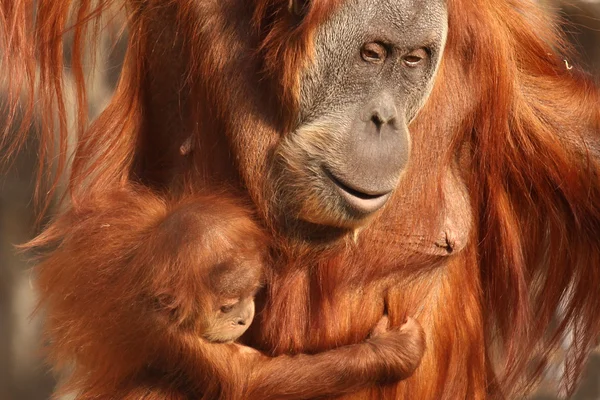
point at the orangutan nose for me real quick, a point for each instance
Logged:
(372, 158)
(383, 112)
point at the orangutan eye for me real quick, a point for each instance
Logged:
(415, 57)
(374, 53)
(227, 308)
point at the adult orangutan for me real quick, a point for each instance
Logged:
(424, 158)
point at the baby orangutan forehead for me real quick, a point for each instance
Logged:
(235, 278)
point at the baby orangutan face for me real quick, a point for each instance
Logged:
(234, 285)
(230, 320)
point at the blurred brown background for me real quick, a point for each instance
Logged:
(23, 375)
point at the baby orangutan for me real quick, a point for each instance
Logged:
(172, 286)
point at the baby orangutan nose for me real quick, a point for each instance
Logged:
(241, 321)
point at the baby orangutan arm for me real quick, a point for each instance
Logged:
(385, 357)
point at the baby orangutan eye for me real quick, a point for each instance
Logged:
(227, 308)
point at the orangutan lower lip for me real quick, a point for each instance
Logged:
(365, 203)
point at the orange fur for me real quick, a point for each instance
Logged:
(505, 115)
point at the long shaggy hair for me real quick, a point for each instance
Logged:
(526, 131)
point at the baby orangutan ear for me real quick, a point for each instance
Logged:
(299, 8)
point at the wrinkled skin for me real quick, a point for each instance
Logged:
(373, 69)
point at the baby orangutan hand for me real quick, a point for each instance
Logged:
(401, 348)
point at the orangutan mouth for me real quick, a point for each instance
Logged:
(359, 200)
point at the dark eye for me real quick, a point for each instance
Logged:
(227, 308)
(415, 57)
(374, 52)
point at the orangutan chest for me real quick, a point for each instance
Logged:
(299, 316)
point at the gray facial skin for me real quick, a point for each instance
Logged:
(230, 321)
(373, 69)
